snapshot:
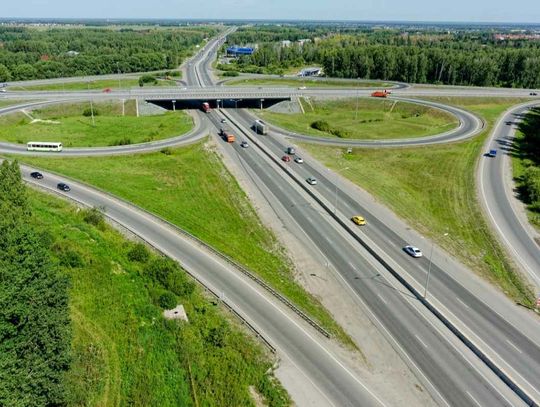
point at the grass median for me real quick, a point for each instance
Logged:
(73, 125)
(123, 350)
(364, 118)
(191, 188)
(433, 189)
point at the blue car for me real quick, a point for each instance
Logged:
(492, 153)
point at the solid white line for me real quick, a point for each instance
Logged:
(473, 399)
(382, 299)
(514, 346)
(421, 341)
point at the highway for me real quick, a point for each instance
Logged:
(450, 371)
(498, 198)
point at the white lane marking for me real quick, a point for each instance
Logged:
(382, 298)
(514, 346)
(421, 341)
(473, 399)
(461, 301)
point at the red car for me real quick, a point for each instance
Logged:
(286, 158)
(106, 90)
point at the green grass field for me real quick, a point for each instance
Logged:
(123, 351)
(91, 85)
(433, 190)
(66, 123)
(308, 83)
(374, 119)
(10, 102)
(192, 189)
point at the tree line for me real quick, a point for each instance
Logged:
(462, 58)
(27, 53)
(528, 147)
(35, 332)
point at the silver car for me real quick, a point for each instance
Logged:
(413, 251)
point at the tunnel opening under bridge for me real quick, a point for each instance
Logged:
(225, 103)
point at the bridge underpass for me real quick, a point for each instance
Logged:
(185, 104)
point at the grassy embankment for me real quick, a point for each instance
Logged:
(433, 189)
(308, 83)
(67, 123)
(123, 351)
(9, 102)
(376, 119)
(92, 85)
(191, 188)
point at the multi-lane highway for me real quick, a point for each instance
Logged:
(498, 197)
(452, 373)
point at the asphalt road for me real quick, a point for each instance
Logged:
(514, 350)
(293, 338)
(445, 364)
(498, 200)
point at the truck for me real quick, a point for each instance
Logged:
(227, 136)
(380, 93)
(206, 107)
(260, 127)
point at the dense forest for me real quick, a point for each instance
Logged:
(28, 53)
(35, 331)
(457, 58)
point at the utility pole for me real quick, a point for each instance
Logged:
(91, 107)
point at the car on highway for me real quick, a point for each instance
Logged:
(299, 160)
(301, 88)
(286, 158)
(492, 153)
(291, 150)
(533, 94)
(107, 90)
(311, 181)
(413, 251)
(63, 187)
(3, 90)
(359, 220)
(223, 120)
(36, 175)
(244, 144)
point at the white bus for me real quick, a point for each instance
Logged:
(43, 146)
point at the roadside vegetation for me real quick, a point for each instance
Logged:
(72, 124)
(35, 330)
(363, 118)
(191, 188)
(433, 189)
(526, 163)
(123, 351)
(309, 83)
(103, 84)
(32, 53)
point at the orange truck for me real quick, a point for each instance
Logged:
(227, 136)
(380, 93)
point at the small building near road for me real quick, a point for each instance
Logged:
(236, 51)
(310, 72)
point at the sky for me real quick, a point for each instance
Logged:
(527, 11)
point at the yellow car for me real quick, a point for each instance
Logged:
(358, 220)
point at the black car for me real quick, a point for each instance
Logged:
(533, 94)
(36, 175)
(63, 187)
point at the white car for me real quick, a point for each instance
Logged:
(302, 88)
(223, 120)
(311, 181)
(244, 144)
(299, 160)
(413, 251)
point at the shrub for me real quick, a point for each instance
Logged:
(167, 300)
(94, 217)
(139, 253)
(230, 73)
(147, 79)
(166, 151)
(89, 111)
(321, 125)
(531, 181)
(122, 142)
(160, 268)
(68, 256)
(179, 284)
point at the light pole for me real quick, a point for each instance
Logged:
(336, 193)
(91, 107)
(174, 105)
(429, 268)
(357, 99)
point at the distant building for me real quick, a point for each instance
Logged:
(311, 72)
(303, 41)
(72, 53)
(236, 51)
(285, 43)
